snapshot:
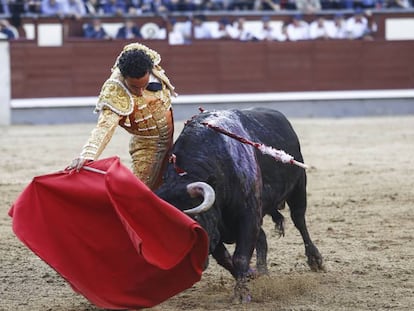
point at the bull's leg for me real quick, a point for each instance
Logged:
(223, 258)
(279, 221)
(248, 233)
(297, 204)
(261, 253)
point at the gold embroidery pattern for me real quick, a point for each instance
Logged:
(148, 153)
(116, 96)
(100, 135)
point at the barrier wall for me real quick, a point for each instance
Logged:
(79, 67)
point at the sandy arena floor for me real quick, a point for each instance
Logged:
(360, 215)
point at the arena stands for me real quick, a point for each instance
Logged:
(51, 58)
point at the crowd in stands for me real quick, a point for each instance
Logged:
(360, 25)
(79, 8)
(337, 27)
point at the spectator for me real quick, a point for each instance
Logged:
(93, 7)
(175, 36)
(224, 30)
(76, 9)
(181, 6)
(241, 5)
(267, 31)
(214, 5)
(15, 8)
(372, 26)
(95, 30)
(267, 5)
(34, 6)
(242, 33)
(155, 6)
(308, 6)
(399, 4)
(334, 4)
(370, 4)
(4, 7)
(185, 27)
(319, 28)
(288, 5)
(54, 8)
(361, 4)
(7, 31)
(128, 31)
(297, 29)
(283, 35)
(357, 26)
(134, 7)
(200, 29)
(115, 7)
(337, 29)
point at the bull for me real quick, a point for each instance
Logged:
(228, 186)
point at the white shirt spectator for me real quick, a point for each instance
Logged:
(308, 6)
(242, 32)
(54, 7)
(75, 8)
(269, 33)
(319, 29)
(202, 31)
(337, 28)
(200, 28)
(224, 31)
(357, 26)
(282, 35)
(175, 36)
(185, 29)
(298, 29)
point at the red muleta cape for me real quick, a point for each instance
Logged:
(110, 236)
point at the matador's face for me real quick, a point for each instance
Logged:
(137, 85)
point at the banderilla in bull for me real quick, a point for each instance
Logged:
(278, 155)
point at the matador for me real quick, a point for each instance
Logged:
(138, 100)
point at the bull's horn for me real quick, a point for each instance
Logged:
(203, 189)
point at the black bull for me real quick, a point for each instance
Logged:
(247, 185)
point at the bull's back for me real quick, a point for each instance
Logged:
(272, 128)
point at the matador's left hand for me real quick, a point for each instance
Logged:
(78, 163)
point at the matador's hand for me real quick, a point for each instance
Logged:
(78, 163)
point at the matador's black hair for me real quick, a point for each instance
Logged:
(134, 63)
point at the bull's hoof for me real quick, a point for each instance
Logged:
(316, 264)
(315, 260)
(241, 293)
(242, 298)
(262, 270)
